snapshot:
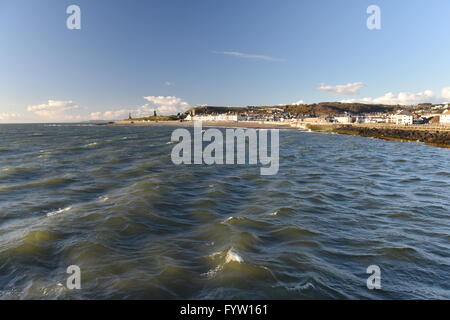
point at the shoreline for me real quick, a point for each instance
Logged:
(437, 136)
(222, 124)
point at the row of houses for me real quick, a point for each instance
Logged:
(217, 117)
(400, 118)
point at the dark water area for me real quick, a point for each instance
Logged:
(110, 200)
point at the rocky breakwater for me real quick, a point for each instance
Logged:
(433, 136)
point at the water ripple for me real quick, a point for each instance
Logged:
(109, 200)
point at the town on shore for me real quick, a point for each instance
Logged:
(428, 123)
(322, 113)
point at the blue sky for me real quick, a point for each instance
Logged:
(139, 55)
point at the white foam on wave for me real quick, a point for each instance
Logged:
(45, 153)
(103, 198)
(15, 169)
(54, 213)
(232, 219)
(275, 213)
(71, 125)
(300, 287)
(233, 257)
(93, 144)
(230, 256)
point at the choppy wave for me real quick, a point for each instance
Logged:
(109, 200)
(224, 257)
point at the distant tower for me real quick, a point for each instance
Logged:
(129, 116)
(154, 113)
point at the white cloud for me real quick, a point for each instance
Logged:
(344, 89)
(8, 116)
(56, 110)
(168, 83)
(445, 93)
(299, 102)
(163, 105)
(166, 105)
(249, 56)
(402, 98)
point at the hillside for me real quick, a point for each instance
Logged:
(317, 109)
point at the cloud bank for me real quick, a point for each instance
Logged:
(163, 105)
(405, 98)
(6, 116)
(344, 89)
(58, 110)
(68, 110)
(445, 93)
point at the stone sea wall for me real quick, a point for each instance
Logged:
(433, 136)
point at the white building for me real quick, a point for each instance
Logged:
(343, 119)
(372, 119)
(401, 118)
(445, 117)
(443, 106)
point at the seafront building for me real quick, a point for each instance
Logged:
(445, 117)
(314, 120)
(372, 119)
(403, 117)
(343, 119)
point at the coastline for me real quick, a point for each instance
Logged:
(438, 136)
(222, 124)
